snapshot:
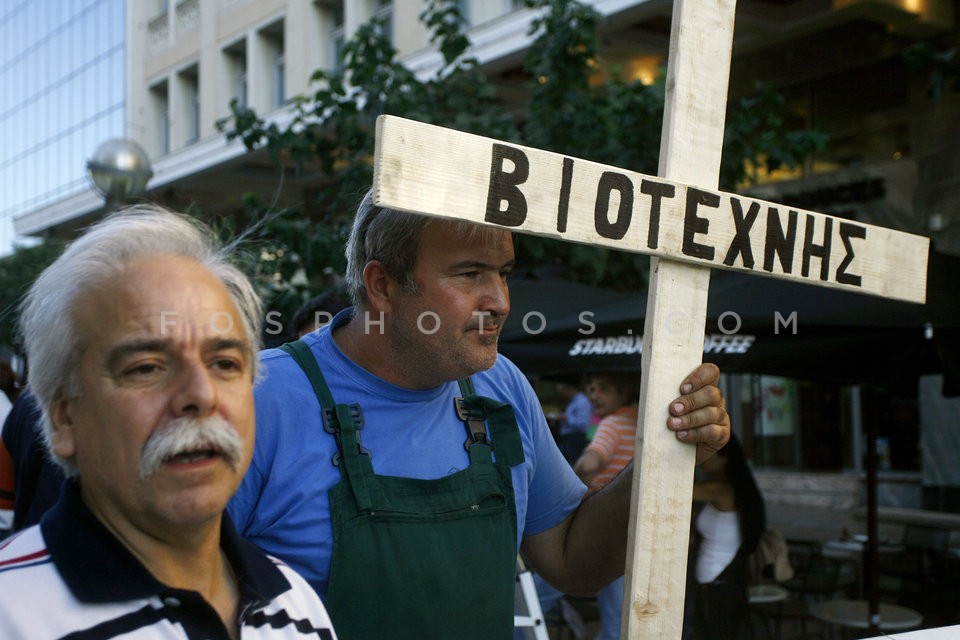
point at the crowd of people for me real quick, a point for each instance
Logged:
(369, 479)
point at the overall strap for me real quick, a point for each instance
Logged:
(476, 410)
(304, 357)
(341, 420)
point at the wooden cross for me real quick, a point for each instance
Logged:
(436, 171)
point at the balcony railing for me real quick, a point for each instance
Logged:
(188, 15)
(158, 29)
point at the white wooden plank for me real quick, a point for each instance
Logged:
(697, 76)
(442, 172)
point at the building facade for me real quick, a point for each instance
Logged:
(62, 93)
(188, 59)
(840, 65)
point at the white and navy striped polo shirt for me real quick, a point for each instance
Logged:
(69, 578)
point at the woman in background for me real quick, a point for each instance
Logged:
(727, 529)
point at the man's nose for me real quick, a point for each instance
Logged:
(496, 298)
(195, 393)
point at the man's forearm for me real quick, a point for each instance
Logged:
(595, 545)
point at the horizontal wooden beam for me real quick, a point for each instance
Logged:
(443, 172)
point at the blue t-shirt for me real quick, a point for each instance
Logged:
(579, 413)
(282, 504)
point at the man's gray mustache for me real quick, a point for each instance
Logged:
(187, 434)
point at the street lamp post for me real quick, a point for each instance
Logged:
(119, 170)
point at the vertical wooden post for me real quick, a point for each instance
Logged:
(697, 77)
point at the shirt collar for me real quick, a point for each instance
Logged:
(97, 568)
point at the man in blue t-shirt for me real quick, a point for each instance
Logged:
(576, 420)
(400, 463)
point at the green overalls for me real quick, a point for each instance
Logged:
(422, 559)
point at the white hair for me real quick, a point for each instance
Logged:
(50, 337)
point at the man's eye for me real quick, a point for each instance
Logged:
(226, 364)
(144, 369)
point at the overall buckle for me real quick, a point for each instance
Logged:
(474, 418)
(331, 424)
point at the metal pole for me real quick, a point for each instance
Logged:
(870, 560)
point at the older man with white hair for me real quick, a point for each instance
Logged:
(142, 344)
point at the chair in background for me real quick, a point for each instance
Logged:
(915, 574)
(765, 601)
(816, 577)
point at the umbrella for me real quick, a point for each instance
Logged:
(754, 325)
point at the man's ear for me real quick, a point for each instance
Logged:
(381, 288)
(62, 439)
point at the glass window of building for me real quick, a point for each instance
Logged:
(189, 82)
(279, 82)
(789, 424)
(330, 14)
(235, 72)
(338, 39)
(383, 12)
(463, 6)
(160, 115)
(272, 52)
